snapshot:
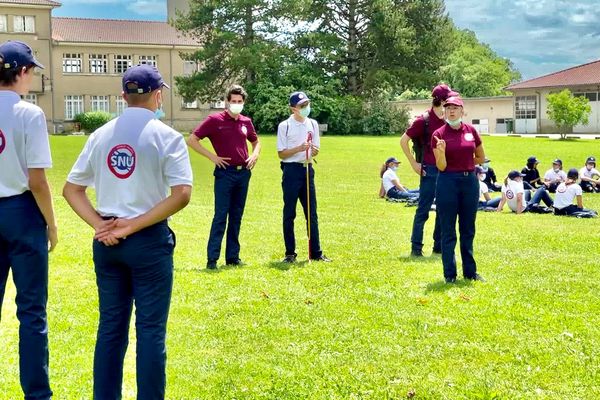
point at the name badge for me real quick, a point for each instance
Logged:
(469, 137)
(244, 130)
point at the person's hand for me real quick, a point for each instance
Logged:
(120, 229)
(440, 144)
(417, 168)
(314, 150)
(220, 162)
(52, 237)
(102, 232)
(251, 161)
(302, 147)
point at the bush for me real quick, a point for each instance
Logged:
(382, 118)
(90, 121)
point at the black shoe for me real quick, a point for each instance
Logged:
(289, 258)
(450, 280)
(211, 264)
(235, 262)
(321, 258)
(477, 277)
(416, 253)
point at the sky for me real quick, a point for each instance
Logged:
(538, 36)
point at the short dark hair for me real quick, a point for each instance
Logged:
(436, 102)
(236, 89)
(8, 76)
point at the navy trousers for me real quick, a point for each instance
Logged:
(457, 196)
(138, 270)
(24, 248)
(426, 198)
(231, 190)
(293, 184)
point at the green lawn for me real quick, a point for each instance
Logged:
(373, 324)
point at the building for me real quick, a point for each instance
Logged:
(85, 60)
(531, 104)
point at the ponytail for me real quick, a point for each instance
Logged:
(384, 168)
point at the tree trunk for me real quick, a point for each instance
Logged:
(353, 56)
(249, 41)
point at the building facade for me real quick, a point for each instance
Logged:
(85, 60)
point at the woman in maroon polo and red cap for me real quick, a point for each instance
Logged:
(457, 148)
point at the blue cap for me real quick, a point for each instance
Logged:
(298, 98)
(145, 77)
(16, 54)
(392, 160)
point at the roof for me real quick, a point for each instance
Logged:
(88, 30)
(585, 74)
(33, 2)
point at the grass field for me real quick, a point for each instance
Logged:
(374, 324)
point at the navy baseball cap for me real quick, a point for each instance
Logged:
(442, 92)
(532, 160)
(573, 173)
(591, 159)
(298, 98)
(16, 54)
(557, 161)
(145, 78)
(392, 160)
(514, 173)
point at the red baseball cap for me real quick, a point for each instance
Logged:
(442, 92)
(455, 101)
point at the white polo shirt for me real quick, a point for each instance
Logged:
(23, 143)
(483, 188)
(292, 133)
(550, 175)
(388, 178)
(132, 161)
(584, 172)
(511, 190)
(566, 194)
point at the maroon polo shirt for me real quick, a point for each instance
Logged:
(460, 146)
(228, 136)
(416, 131)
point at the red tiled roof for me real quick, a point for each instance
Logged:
(88, 30)
(33, 2)
(585, 74)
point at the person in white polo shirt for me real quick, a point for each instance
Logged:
(390, 183)
(566, 193)
(520, 200)
(554, 176)
(589, 176)
(297, 143)
(133, 162)
(27, 225)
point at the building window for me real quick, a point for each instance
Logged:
(218, 104)
(3, 25)
(24, 23)
(190, 104)
(525, 107)
(150, 60)
(189, 67)
(30, 98)
(72, 63)
(99, 103)
(73, 106)
(98, 64)
(121, 105)
(591, 96)
(122, 62)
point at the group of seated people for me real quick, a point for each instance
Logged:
(522, 191)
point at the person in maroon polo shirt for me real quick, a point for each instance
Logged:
(228, 132)
(420, 133)
(457, 148)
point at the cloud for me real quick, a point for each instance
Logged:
(539, 36)
(148, 7)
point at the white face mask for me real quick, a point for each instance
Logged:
(486, 165)
(482, 177)
(557, 170)
(236, 108)
(454, 123)
(589, 167)
(394, 168)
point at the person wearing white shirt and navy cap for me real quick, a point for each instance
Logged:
(27, 223)
(568, 191)
(554, 176)
(589, 176)
(298, 136)
(132, 161)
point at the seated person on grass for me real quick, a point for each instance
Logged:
(390, 184)
(485, 200)
(520, 200)
(490, 176)
(532, 179)
(568, 191)
(554, 176)
(589, 176)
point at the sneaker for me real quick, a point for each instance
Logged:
(235, 262)
(210, 264)
(450, 280)
(477, 277)
(321, 258)
(290, 259)
(416, 253)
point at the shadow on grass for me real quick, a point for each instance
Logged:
(428, 260)
(442, 286)
(282, 266)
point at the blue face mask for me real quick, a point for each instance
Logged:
(304, 112)
(159, 113)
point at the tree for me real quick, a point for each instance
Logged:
(567, 111)
(474, 69)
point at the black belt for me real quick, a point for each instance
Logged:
(460, 173)
(235, 167)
